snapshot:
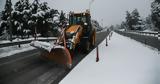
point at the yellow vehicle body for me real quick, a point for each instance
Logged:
(78, 30)
(78, 33)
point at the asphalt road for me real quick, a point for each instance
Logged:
(29, 68)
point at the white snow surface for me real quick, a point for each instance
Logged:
(45, 45)
(147, 30)
(11, 50)
(123, 61)
(17, 39)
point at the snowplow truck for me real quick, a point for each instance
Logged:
(79, 33)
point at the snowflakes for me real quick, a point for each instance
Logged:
(26, 30)
(30, 22)
(44, 22)
(15, 22)
(19, 28)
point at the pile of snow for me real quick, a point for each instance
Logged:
(124, 61)
(42, 45)
(11, 50)
(28, 39)
(122, 30)
(147, 30)
(45, 45)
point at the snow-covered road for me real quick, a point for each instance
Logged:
(124, 61)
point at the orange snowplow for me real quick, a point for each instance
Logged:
(78, 34)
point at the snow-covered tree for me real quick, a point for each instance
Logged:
(42, 17)
(136, 20)
(155, 10)
(62, 20)
(5, 24)
(149, 24)
(129, 20)
(30, 18)
(55, 20)
(133, 20)
(123, 25)
(21, 16)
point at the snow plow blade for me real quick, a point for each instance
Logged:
(58, 54)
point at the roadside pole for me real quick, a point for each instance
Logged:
(97, 57)
(106, 41)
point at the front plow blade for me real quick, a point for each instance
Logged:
(57, 53)
(60, 56)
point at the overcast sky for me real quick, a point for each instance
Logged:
(106, 11)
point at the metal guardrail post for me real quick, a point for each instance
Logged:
(106, 41)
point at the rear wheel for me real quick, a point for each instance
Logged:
(87, 47)
(93, 40)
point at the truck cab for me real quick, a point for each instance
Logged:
(80, 31)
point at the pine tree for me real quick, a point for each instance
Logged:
(129, 21)
(123, 25)
(133, 20)
(149, 24)
(6, 23)
(155, 13)
(136, 21)
(22, 15)
(42, 16)
(157, 1)
(62, 20)
(27, 19)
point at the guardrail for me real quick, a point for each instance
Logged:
(151, 40)
(24, 42)
(155, 34)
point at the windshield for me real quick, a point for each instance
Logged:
(77, 19)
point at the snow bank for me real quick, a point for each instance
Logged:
(8, 51)
(11, 50)
(18, 39)
(45, 45)
(42, 45)
(124, 61)
(147, 30)
(121, 29)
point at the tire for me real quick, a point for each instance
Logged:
(93, 40)
(87, 47)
